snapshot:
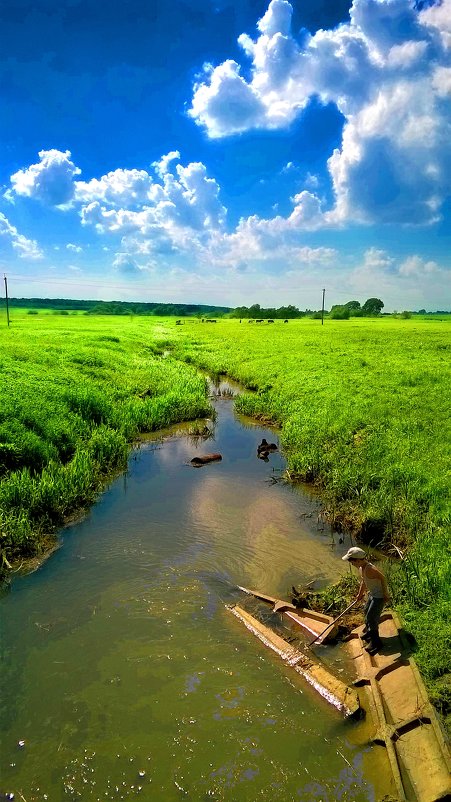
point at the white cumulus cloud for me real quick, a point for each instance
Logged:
(177, 210)
(26, 248)
(388, 73)
(50, 181)
(118, 188)
(127, 265)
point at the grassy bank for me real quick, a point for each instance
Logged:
(363, 407)
(75, 392)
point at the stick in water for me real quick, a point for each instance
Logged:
(332, 623)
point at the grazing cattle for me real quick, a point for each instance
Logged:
(178, 322)
(260, 320)
(270, 321)
(210, 320)
(285, 321)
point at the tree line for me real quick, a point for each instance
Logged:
(371, 307)
(118, 307)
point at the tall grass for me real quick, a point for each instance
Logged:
(75, 393)
(363, 407)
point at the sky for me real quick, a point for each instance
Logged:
(227, 152)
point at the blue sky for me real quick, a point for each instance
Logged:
(227, 151)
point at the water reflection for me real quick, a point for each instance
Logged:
(125, 674)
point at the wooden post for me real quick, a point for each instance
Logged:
(6, 296)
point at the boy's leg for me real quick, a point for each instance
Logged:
(366, 629)
(373, 615)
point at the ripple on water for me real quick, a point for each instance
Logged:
(139, 681)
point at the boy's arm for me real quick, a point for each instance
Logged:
(361, 591)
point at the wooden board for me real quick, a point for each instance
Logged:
(341, 696)
(310, 621)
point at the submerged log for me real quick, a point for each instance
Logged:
(198, 461)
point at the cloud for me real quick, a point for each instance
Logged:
(177, 212)
(416, 266)
(50, 181)
(75, 248)
(412, 282)
(438, 18)
(270, 243)
(26, 248)
(162, 166)
(388, 73)
(125, 264)
(227, 104)
(117, 188)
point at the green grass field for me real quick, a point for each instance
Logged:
(364, 411)
(363, 407)
(75, 392)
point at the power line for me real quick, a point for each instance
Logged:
(103, 285)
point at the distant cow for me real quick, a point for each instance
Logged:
(285, 321)
(178, 322)
(270, 321)
(259, 321)
(210, 320)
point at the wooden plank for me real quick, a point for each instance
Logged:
(341, 696)
(311, 621)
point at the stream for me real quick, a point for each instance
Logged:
(125, 675)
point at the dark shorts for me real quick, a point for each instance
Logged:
(373, 610)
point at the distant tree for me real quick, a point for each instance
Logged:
(421, 312)
(339, 313)
(255, 310)
(373, 306)
(289, 311)
(353, 306)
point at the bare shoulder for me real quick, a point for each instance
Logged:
(374, 572)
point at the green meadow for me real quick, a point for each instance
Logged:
(364, 411)
(362, 406)
(75, 392)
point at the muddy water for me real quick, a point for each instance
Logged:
(125, 675)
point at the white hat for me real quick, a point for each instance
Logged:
(354, 554)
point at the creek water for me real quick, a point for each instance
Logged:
(125, 675)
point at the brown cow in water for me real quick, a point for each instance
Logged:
(204, 459)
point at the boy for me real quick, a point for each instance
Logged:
(374, 583)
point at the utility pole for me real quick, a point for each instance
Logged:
(6, 296)
(322, 309)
